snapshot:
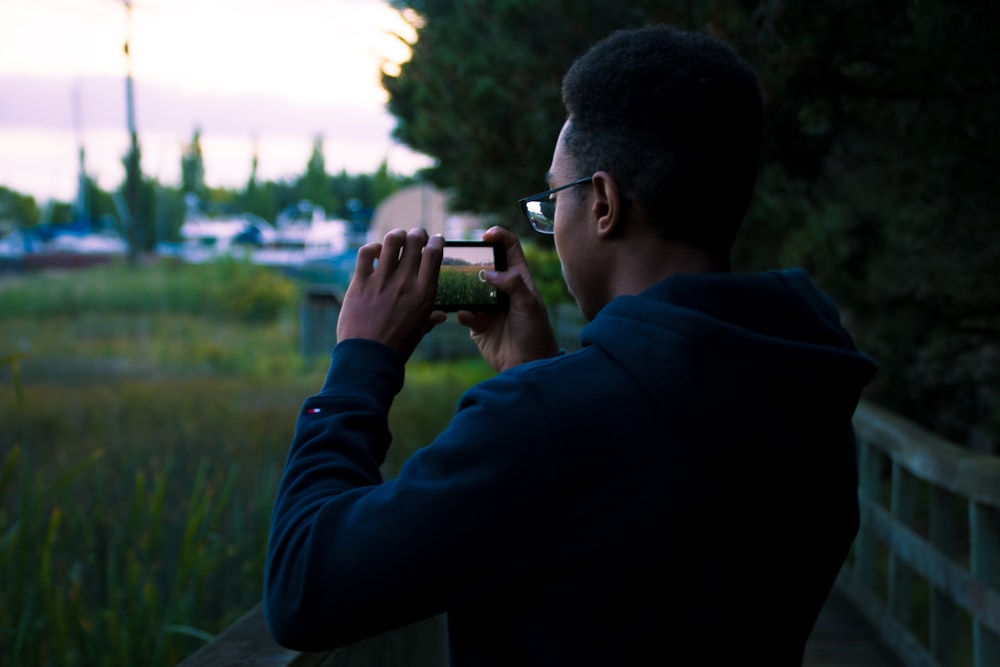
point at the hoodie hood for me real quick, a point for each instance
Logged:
(733, 326)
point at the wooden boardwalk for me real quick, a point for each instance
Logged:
(844, 638)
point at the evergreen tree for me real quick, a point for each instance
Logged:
(17, 208)
(878, 170)
(134, 202)
(481, 92)
(314, 185)
(193, 166)
(383, 183)
(256, 197)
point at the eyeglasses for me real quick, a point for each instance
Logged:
(540, 210)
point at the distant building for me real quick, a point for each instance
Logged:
(423, 206)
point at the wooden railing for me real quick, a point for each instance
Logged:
(925, 568)
(318, 312)
(248, 643)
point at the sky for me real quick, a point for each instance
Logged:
(264, 76)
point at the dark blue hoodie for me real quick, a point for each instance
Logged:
(682, 486)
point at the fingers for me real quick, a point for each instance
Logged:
(391, 297)
(367, 254)
(516, 281)
(430, 261)
(477, 321)
(413, 243)
(392, 249)
(399, 249)
(437, 317)
(512, 244)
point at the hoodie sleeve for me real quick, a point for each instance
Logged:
(350, 555)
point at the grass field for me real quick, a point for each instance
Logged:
(462, 285)
(145, 418)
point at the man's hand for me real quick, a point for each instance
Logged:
(391, 296)
(522, 333)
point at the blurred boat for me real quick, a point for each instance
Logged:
(302, 235)
(207, 239)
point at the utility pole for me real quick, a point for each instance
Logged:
(132, 171)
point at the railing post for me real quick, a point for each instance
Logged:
(902, 507)
(869, 473)
(944, 626)
(318, 316)
(984, 529)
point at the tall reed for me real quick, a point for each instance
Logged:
(142, 434)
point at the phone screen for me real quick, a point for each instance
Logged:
(461, 284)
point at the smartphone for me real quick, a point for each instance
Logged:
(461, 284)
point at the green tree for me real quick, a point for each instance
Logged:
(17, 208)
(314, 184)
(167, 213)
(384, 183)
(256, 197)
(193, 166)
(157, 216)
(99, 202)
(359, 194)
(877, 174)
(481, 92)
(146, 232)
(59, 212)
(134, 202)
(880, 178)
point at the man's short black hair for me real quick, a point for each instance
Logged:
(675, 118)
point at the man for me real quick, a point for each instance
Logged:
(683, 486)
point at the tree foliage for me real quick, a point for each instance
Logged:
(878, 172)
(314, 184)
(481, 92)
(161, 208)
(881, 179)
(16, 207)
(193, 166)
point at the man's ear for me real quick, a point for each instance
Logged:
(609, 205)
